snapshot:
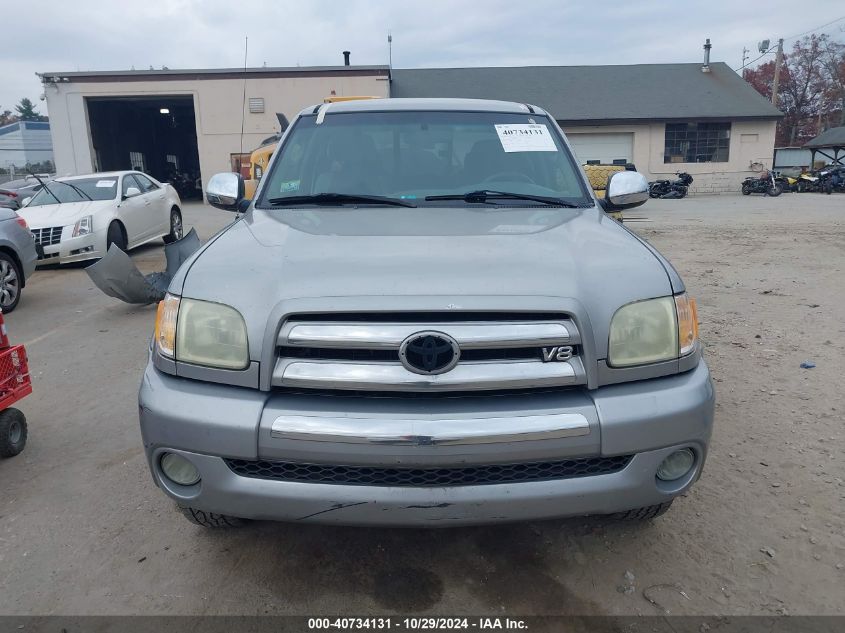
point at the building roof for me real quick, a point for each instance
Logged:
(176, 74)
(412, 104)
(581, 94)
(24, 125)
(834, 137)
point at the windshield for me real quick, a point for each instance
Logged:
(76, 190)
(414, 155)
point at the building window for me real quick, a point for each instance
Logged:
(136, 160)
(173, 160)
(697, 143)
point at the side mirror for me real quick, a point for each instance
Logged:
(625, 190)
(225, 191)
(131, 191)
(25, 201)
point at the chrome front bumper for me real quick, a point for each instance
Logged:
(207, 423)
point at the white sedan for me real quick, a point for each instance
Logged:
(77, 218)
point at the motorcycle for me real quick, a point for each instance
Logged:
(671, 188)
(763, 184)
(831, 179)
(787, 183)
(807, 182)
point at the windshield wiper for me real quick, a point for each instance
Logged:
(44, 184)
(338, 198)
(484, 195)
(76, 189)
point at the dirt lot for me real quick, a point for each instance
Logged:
(84, 531)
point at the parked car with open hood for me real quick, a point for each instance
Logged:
(77, 218)
(425, 317)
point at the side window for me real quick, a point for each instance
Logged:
(129, 181)
(147, 185)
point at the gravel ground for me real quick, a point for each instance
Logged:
(84, 531)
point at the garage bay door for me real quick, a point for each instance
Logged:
(604, 147)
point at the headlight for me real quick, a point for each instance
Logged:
(202, 333)
(652, 331)
(83, 226)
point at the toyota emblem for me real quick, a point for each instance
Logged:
(429, 353)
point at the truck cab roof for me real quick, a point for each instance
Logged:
(427, 104)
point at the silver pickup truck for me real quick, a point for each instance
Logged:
(425, 317)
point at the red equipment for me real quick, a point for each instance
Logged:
(15, 383)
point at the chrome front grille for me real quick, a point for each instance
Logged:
(364, 355)
(48, 236)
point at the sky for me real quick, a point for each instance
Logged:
(71, 35)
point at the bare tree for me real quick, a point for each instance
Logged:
(833, 71)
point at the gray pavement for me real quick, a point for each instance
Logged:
(83, 530)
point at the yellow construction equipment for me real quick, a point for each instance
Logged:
(260, 157)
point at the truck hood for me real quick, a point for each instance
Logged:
(61, 214)
(511, 257)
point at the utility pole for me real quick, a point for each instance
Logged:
(776, 82)
(745, 52)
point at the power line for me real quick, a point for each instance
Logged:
(755, 59)
(791, 37)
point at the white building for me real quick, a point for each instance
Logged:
(187, 120)
(702, 119)
(25, 143)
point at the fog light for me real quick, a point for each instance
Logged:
(179, 470)
(676, 465)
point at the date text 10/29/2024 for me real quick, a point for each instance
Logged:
(416, 624)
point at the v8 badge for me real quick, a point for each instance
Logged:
(560, 353)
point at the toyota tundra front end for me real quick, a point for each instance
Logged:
(424, 317)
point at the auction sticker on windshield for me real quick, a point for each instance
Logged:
(107, 184)
(525, 137)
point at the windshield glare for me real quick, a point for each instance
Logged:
(91, 189)
(411, 155)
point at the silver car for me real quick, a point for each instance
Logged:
(425, 317)
(17, 258)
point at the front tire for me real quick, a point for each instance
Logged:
(774, 192)
(11, 281)
(116, 236)
(211, 519)
(13, 432)
(176, 229)
(643, 514)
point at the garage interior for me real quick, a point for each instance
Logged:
(156, 135)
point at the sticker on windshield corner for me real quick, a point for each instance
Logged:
(107, 184)
(525, 137)
(289, 185)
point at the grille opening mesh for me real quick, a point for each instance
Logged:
(421, 477)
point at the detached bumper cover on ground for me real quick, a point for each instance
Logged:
(118, 277)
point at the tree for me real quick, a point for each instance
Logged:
(7, 117)
(26, 111)
(833, 71)
(802, 89)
